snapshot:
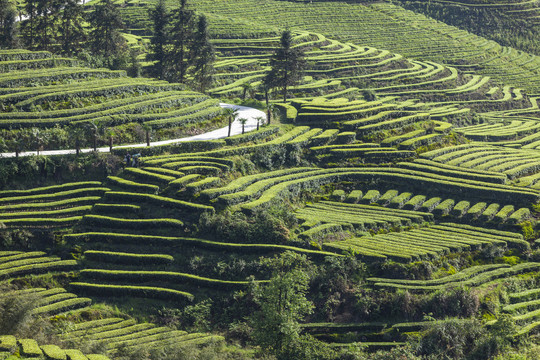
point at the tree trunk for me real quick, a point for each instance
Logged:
(230, 126)
(242, 128)
(266, 96)
(285, 93)
(268, 116)
(95, 142)
(258, 121)
(147, 137)
(110, 143)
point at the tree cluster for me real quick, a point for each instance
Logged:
(62, 26)
(181, 47)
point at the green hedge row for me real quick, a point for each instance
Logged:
(20, 54)
(15, 65)
(148, 175)
(60, 194)
(196, 209)
(117, 208)
(184, 180)
(197, 186)
(132, 186)
(301, 141)
(453, 278)
(263, 133)
(139, 276)
(136, 239)
(163, 171)
(326, 137)
(400, 200)
(52, 204)
(39, 268)
(410, 180)
(177, 148)
(26, 78)
(397, 177)
(211, 166)
(53, 352)
(8, 343)
(199, 116)
(395, 140)
(41, 222)
(127, 105)
(29, 348)
(165, 159)
(454, 171)
(136, 291)
(127, 258)
(49, 189)
(396, 123)
(415, 216)
(476, 280)
(73, 211)
(416, 142)
(332, 115)
(107, 221)
(92, 328)
(512, 239)
(107, 88)
(412, 245)
(62, 306)
(242, 182)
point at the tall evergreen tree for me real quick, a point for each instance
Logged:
(71, 29)
(28, 26)
(181, 34)
(106, 21)
(46, 22)
(287, 65)
(8, 27)
(159, 40)
(202, 56)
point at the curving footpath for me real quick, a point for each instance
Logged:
(245, 112)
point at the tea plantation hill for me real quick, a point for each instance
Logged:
(418, 158)
(50, 103)
(380, 24)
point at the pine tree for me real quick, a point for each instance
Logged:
(71, 29)
(28, 26)
(287, 65)
(106, 22)
(46, 22)
(8, 27)
(182, 32)
(202, 56)
(159, 40)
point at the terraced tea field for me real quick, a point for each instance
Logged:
(400, 176)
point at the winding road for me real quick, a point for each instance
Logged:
(245, 112)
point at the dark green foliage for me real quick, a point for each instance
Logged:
(159, 40)
(282, 304)
(452, 339)
(105, 35)
(71, 29)
(337, 283)
(28, 27)
(8, 28)
(287, 65)
(202, 56)
(270, 226)
(182, 35)
(15, 313)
